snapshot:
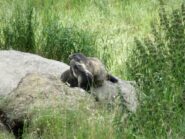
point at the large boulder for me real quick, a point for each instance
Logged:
(26, 76)
(29, 83)
(16, 65)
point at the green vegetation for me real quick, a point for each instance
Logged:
(25, 30)
(157, 64)
(70, 124)
(18, 32)
(106, 29)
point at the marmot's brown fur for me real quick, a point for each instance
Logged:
(91, 65)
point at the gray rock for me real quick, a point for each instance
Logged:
(16, 65)
(41, 91)
(109, 92)
(38, 92)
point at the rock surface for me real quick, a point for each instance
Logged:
(40, 91)
(110, 91)
(29, 82)
(25, 76)
(14, 65)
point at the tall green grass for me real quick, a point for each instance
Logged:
(157, 64)
(101, 28)
(58, 41)
(25, 30)
(18, 30)
(70, 123)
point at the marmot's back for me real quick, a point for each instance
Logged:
(93, 66)
(98, 70)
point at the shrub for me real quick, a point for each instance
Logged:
(157, 63)
(59, 42)
(69, 123)
(159, 60)
(30, 30)
(18, 32)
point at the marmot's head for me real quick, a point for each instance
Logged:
(78, 68)
(78, 57)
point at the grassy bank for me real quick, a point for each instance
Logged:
(106, 29)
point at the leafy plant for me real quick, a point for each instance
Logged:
(157, 63)
(59, 41)
(18, 31)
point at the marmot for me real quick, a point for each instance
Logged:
(83, 76)
(90, 65)
(77, 76)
